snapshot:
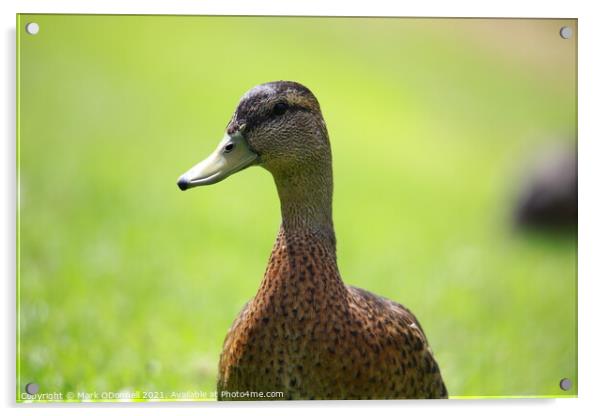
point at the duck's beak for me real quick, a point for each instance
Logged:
(232, 155)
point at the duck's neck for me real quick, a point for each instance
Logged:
(303, 267)
(306, 204)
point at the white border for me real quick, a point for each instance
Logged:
(509, 8)
(590, 207)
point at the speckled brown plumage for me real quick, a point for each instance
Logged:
(306, 333)
(310, 336)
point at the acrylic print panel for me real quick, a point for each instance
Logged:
(452, 144)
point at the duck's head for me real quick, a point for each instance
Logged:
(277, 125)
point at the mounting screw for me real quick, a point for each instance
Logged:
(32, 388)
(566, 384)
(32, 28)
(566, 32)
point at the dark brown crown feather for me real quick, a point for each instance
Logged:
(255, 106)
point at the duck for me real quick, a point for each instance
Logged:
(306, 334)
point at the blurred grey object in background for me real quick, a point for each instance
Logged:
(547, 197)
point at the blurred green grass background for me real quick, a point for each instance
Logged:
(128, 284)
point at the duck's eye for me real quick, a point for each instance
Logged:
(229, 147)
(280, 109)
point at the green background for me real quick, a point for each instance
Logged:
(126, 283)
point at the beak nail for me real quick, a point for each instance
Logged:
(182, 184)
